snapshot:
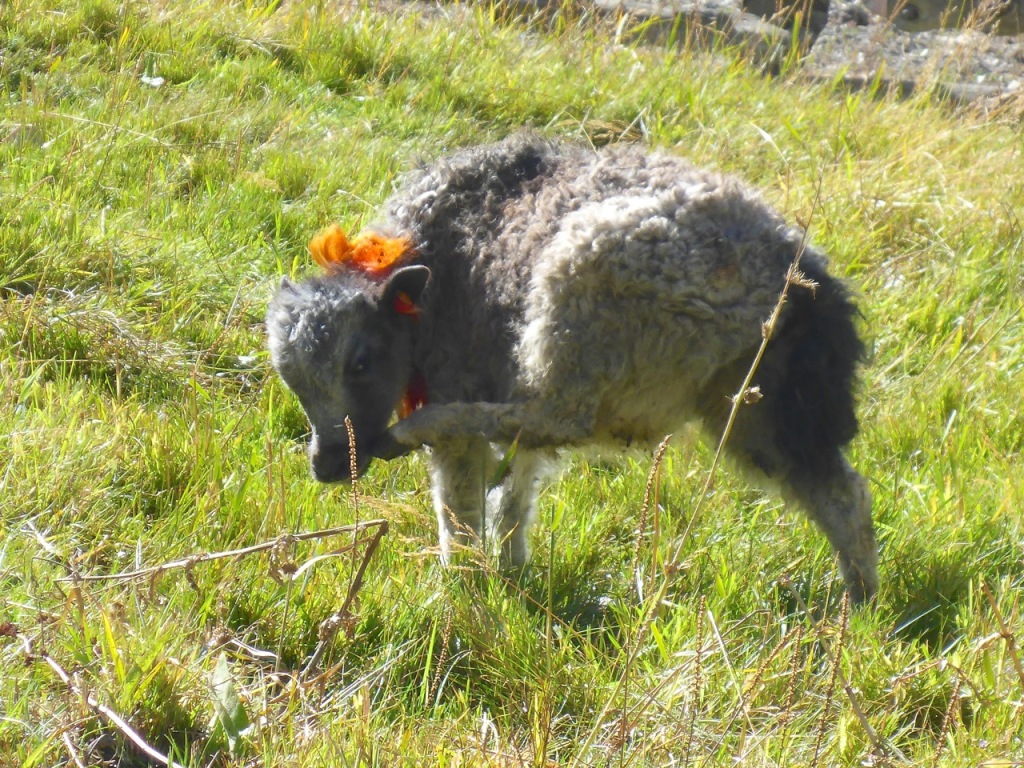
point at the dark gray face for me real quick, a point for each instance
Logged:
(343, 348)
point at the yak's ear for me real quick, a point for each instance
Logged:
(403, 289)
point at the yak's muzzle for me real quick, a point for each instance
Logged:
(332, 463)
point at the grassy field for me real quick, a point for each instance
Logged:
(163, 164)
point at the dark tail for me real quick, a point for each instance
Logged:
(811, 369)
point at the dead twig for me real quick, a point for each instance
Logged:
(69, 745)
(1005, 633)
(99, 708)
(205, 557)
(330, 626)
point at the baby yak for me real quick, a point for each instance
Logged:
(549, 295)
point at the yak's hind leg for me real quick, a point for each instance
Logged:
(833, 494)
(459, 475)
(796, 433)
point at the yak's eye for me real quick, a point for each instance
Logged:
(359, 363)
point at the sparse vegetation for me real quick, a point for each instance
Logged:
(162, 164)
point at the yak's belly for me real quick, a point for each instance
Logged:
(644, 412)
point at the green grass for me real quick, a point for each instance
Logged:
(143, 225)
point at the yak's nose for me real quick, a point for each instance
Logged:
(329, 462)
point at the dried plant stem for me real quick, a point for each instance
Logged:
(650, 498)
(1005, 633)
(882, 746)
(947, 721)
(698, 684)
(624, 713)
(69, 745)
(755, 683)
(793, 275)
(330, 626)
(750, 690)
(830, 692)
(442, 657)
(101, 709)
(650, 698)
(650, 502)
(353, 471)
(747, 693)
(794, 670)
(205, 557)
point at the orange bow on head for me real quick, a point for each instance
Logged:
(369, 252)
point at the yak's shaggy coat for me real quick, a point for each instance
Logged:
(569, 297)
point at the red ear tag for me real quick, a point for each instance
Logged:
(404, 305)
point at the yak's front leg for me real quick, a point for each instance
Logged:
(533, 424)
(517, 508)
(458, 473)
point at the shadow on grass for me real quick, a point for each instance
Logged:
(928, 601)
(933, 589)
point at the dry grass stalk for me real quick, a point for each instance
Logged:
(69, 745)
(883, 747)
(794, 668)
(947, 721)
(330, 626)
(837, 658)
(750, 690)
(698, 684)
(650, 502)
(353, 472)
(442, 658)
(353, 469)
(747, 394)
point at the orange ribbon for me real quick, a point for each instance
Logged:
(369, 252)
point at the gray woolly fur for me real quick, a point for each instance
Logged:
(572, 297)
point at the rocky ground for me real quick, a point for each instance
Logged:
(967, 66)
(848, 44)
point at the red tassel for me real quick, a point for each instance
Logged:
(415, 396)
